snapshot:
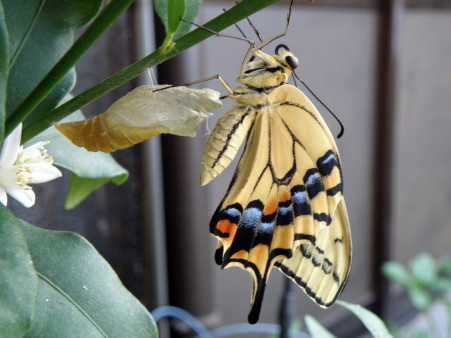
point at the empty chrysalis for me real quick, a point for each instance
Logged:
(142, 114)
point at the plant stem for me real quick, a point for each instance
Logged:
(235, 14)
(102, 22)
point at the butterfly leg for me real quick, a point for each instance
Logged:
(218, 77)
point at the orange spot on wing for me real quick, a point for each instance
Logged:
(225, 226)
(270, 207)
(285, 195)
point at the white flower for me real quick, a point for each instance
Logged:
(20, 167)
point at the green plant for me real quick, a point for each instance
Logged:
(427, 282)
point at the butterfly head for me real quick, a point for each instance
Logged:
(285, 57)
(264, 71)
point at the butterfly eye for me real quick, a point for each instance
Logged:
(281, 46)
(292, 62)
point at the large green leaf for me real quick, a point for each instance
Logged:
(4, 62)
(91, 169)
(18, 281)
(79, 294)
(40, 32)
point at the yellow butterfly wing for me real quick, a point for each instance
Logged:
(284, 206)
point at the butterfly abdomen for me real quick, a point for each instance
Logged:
(225, 140)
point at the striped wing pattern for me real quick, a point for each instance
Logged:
(284, 206)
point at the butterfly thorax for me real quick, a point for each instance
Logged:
(250, 97)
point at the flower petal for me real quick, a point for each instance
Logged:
(24, 196)
(35, 153)
(3, 196)
(8, 177)
(11, 146)
(42, 172)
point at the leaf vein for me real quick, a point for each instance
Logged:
(73, 302)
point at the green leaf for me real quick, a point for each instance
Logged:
(394, 329)
(80, 188)
(4, 67)
(421, 334)
(424, 268)
(315, 329)
(373, 323)
(40, 32)
(192, 9)
(18, 280)
(170, 13)
(93, 169)
(445, 268)
(176, 11)
(161, 8)
(79, 293)
(397, 272)
(442, 285)
(419, 297)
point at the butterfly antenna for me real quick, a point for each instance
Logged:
(289, 15)
(342, 129)
(255, 29)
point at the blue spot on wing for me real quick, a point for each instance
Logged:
(330, 157)
(313, 183)
(266, 227)
(265, 231)
(326, 163)
(284, 210)
(251, 218)
(301, 206)
(285, 213)
(247, 229)
(312, 179)
(298, 196)
(232, 212)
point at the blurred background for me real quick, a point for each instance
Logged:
(383, 67)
